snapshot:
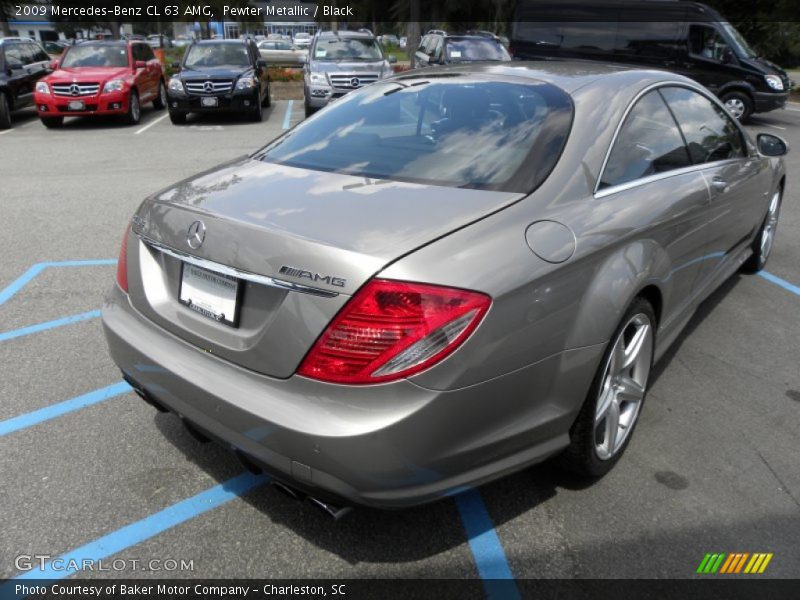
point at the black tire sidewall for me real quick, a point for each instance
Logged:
(5, 111)
(130, 117)
(748, 103)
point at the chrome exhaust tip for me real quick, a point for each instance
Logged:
(337, 512)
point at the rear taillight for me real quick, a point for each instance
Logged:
(393, 329)
(122, 263)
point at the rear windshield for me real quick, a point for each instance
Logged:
(95, 55)
(474, 49)
(452, 131)
(217, 55)
(332, 49)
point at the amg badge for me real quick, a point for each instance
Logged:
(302, 274)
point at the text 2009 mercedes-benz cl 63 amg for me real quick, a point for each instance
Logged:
(443, 277)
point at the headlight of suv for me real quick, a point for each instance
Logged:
(175, 85)
(115, 85)
(318, 78)
(774, 82)
(42, 88)
(245, 83)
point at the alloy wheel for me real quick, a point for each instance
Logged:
(162, 94)
(623, 386)
(135, 108)
(770, 226)
(736, 107)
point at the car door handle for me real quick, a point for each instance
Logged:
(719, 184)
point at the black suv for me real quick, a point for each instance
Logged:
(22, 63)
(219, 75)
(440, 48)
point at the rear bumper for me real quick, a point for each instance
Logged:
(766, 101)
(114, 103)
(233, 102)
(389, 445)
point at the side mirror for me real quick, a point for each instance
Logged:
(140, 64)
(771, 145)
(176, 67)
(54, 64)
(392, 59)
(261, 63)
(727, 56)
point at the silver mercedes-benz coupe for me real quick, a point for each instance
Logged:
(442, 277)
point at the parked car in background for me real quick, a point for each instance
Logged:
(55, 48)
(22, 63)
(687, 38)
(281, 53)
(181, 41)
(339, 63)
(219, 76)
(403, 42)
(445, 277)
(157, 40)
(101, 78)
(438, 49)
(302, 39)
(389, 39)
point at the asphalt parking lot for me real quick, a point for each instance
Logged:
(89, 470)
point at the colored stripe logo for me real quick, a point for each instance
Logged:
(734, 563)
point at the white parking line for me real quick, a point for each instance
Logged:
(149, 125)
(775, 126)
(6, 131)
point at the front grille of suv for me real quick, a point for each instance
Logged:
(209, 86)
(75, 89)
(352, 81)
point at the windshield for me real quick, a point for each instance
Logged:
(469, 50)
(740, 45)
(217, 55)
(96, 55)
(462, 132)
(347, 49)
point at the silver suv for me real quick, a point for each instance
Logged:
(340, 62)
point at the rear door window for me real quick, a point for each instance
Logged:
(710, 133)
(648, 143)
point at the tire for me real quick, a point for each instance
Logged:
(160, 103)
(177, 118)
(134, 109)
(309, 111)
(5, 112)
(739, 105)
(764, 240)
(617, 392)
(52, 122)
(267, 101)
(256, 113)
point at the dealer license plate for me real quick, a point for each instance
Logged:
(208, 101)
(76, 105)
(211, 294)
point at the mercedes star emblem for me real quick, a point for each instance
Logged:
(355, 82)
(196, 235)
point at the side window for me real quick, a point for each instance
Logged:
(648, 143)
(14, 53)
(135, 52)
(436, 53)
(147, 52)
(39, 55)
(706, 42)
(710, 132)
(28, 53)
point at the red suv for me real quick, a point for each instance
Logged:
(101, 78)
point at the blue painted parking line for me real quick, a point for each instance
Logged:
(8, 292)
(62, 408)
(23, 331)
(781, 282)
(490, 558)
(287, 117)
(137, 532)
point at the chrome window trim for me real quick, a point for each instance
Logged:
(628, 185)
(598, 193)
(233, 272)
